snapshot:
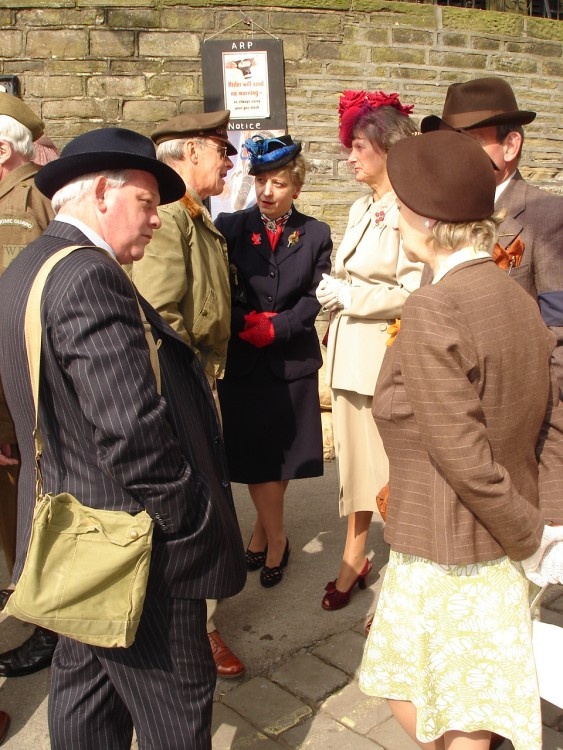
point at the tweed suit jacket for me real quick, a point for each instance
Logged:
(467, 407)
(283, 282)
(536, 217)
(110, 439)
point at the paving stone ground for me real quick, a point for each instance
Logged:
(300, 690)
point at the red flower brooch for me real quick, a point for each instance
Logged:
(256, 238)
(354, 104)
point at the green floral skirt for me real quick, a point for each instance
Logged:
(455, 640)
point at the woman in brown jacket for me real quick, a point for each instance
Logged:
(467, 408)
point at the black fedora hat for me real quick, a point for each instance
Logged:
(444, 175)
(270, 153)
(109, 149)
(476, 104)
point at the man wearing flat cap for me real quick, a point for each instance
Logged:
(184, 273)
(24, 214)
(531, 235)
(114, 443)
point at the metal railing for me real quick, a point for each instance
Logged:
(539, 8)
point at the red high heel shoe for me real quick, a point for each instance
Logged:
(335, 599)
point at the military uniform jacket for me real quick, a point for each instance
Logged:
(24, 214)
(184, 274)
(467, 407)
(109, 438)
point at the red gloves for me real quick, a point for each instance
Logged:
(258, 330)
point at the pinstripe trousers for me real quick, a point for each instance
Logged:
(162, 685)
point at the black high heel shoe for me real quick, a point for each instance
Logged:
(255, 560)
(272, 576)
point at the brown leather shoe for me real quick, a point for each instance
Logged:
(4, 725)
(228, 664)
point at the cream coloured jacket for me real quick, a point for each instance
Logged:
(371, 259)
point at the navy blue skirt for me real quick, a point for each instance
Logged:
(272, 427)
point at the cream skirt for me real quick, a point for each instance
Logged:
(363, 467)
(456, 642)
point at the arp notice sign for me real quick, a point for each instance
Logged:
(245, 76)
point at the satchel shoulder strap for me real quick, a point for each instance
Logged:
(33, 327)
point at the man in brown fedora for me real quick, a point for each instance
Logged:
(184, 273)
(531, 235)
(24, 214)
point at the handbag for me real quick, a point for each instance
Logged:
(86, 570)
(381, 499)
(547, 642)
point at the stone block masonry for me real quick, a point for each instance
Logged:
(134, 63)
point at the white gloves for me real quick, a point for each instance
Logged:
(334, 293)
(546, 564)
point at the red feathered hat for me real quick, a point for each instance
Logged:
(354, 104)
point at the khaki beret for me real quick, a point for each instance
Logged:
(14, 107)
(204, 124)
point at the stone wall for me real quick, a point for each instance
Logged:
(88, 63)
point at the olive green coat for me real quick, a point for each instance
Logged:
(184, 274)
(24, 214)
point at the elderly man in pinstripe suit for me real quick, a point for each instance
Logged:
(114, 443)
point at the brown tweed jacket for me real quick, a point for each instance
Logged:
(467, 407)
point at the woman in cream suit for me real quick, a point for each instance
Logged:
(373, 278)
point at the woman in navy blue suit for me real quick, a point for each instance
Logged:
(269, 395)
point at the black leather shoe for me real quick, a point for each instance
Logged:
(33, 655)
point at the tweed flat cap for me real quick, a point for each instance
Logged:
(14, 107)
(476, 104)
(204, 124)
(109, 149)
(444, 175)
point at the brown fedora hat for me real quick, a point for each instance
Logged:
(477, 103)
(443, 175)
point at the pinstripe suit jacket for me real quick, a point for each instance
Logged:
(467, 407)
(110, 440)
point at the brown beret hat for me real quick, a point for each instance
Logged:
(205, 124)
(476, 104)
(14, 107)
(443, 175)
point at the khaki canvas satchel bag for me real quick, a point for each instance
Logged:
(86, 570)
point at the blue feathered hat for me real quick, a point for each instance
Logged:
(270, 153)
